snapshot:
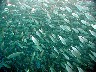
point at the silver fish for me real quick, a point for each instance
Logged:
(13, 55)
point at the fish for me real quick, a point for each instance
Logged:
(39, 48)
(80, 8)
(75, 30)
(68, 68)
(68, 9)
(35, 40)
(75, 52)
(92, 33)
(68, 63)
(46, 5)
(52, 69)
(62, 8)
(48, 15)
(89, 16)
(55, 12)
(42, 52)
(79, 69)
(63, 64)
(38, 64)
(37, 23)
(65, 27)
(48, 34)
(28, 70)
(3, 64)
(82, 39)
(82, 31)
(53, 55)
(84, 22)
(62, 16)
(68, 21)
(92, 45)
(14, 55)
(75, 15)
(66, 56)
(25, 40)
(62, 40)
(41, 31)
(38, 34)
(56, 50)
(92, 57)
(52, 38)
(93, 26)
(93, 53)
(33, 55)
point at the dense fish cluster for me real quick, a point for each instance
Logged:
(48, 35)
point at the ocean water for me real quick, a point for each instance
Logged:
(47, 35)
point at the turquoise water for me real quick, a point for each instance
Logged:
(47, 35)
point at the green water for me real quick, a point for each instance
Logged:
(48, 35)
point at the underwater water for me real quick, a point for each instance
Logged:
(47, 35)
